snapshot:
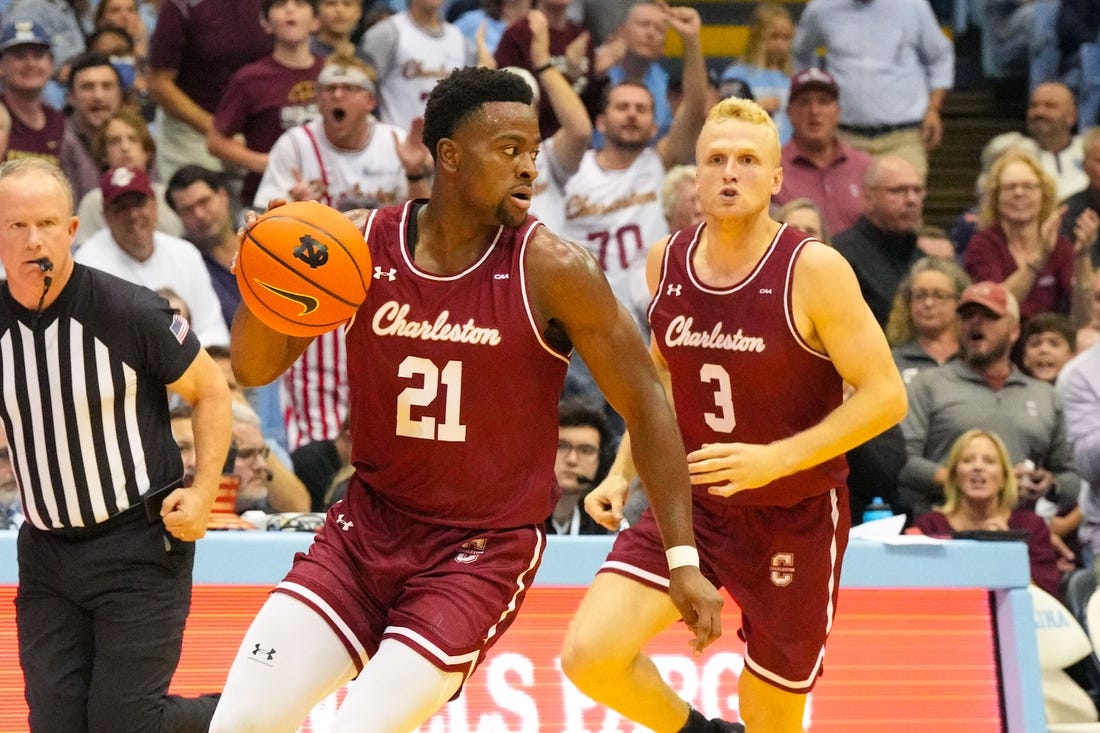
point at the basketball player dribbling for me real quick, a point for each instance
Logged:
(755, 328)
(455, 362)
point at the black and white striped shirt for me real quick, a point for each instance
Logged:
(83, 399)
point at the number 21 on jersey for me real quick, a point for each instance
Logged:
(431, 377)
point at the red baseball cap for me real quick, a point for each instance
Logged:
(123, 180)
(989, 295)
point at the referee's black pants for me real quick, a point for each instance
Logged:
(100, 622)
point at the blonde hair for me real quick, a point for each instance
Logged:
(675, 175)
(744, 110)
(1010, 492)
(23, 166)
(765, 15)
(989, 214)
(808, 204)
(899, 327)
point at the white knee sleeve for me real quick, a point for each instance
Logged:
(289, 661)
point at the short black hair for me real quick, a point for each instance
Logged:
(1052, 323)
(90, 60)
(576, 413)
(463, 93)
(111, 30)
(189, 174)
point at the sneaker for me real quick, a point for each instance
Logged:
(721, 726)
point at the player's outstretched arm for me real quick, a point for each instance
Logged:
(570, 291)
(258, 353)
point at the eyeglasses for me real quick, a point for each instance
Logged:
(583, 450)
(903, 189)
(1025, 186)
(938, 295)
(247, 454)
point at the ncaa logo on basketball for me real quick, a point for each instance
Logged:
(782, 568)
(471, 550)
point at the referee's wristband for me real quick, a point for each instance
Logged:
(682, 555)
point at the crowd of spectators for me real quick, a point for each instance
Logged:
(172, 118)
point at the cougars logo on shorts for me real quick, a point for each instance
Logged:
(471, 550)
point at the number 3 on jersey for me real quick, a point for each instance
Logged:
(451, 430)
(722, 419)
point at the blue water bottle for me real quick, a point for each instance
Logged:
(877, 509)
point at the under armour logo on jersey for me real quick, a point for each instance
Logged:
(471, 550)
(311, 252)
(259, 654)
(344, 524)
(379, 273)
(782, 568)
(674, 289)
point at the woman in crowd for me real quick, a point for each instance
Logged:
(804, 214)
(922, 328)
(766, 65)
(980, 494)
(1019, 246)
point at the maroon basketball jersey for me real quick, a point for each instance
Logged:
(453, 391)
(740, 371)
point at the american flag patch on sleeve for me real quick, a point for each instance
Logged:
(179, 327)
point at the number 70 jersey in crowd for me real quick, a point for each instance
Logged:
(453, 391)
(617, 216)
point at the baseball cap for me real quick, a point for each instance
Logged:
(813, 78)
(123, 180)
(23, 33)
(990, 295)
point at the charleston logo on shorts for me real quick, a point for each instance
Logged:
(782, 568)
(471, 550)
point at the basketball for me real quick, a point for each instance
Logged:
(303, 268)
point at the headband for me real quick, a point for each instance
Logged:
(337, 74)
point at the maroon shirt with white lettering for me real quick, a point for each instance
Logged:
(453, 391)
(741, 373)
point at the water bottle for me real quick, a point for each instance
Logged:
(877, 509)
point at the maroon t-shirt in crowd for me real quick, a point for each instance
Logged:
(205, 41)
(987, 257)
(23, 142)
(264, 99)
(514, 49)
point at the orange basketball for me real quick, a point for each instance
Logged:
(303, 268)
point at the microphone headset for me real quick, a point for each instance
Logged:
(46, 266)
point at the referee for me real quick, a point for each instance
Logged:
(106, 552)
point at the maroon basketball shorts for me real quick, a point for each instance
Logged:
(447, 593)
(780, 564)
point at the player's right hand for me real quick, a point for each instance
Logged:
(699, 604)
(605, 502)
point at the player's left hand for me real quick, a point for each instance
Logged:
(699, 604)
(733, 467)
(185, 513)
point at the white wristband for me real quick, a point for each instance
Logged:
(682, 555)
